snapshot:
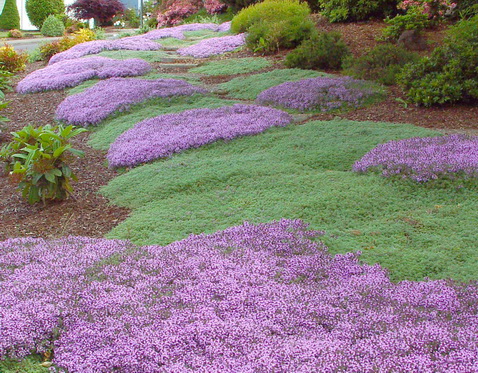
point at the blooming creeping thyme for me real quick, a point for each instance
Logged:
(212, 46)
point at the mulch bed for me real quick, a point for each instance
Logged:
(90, 214)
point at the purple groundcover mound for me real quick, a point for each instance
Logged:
(213, 46)
(424, 158)
(167, 134)
(70, 73)
(248, 299)
(178, 31)
(322, 93)
(96, 103)
(135, 43)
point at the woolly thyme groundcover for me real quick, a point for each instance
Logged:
(424, 158)
(135, 43)
(322, 93)
(251, 298)
(70, 73)
(167, 134)
(104, 98)
(213, 46)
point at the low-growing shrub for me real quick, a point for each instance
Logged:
(325, 50)
(17, 34)
(37, 159)
(412, 20)
(66, 42)
(52, 27)
(355, 10)
(274, 24)
(381, 64)
(12, 60)
(450, 74)
(39, 10)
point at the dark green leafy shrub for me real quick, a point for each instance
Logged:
(52, 27)
(37, 159)
(381, 64)
(274, 24)
(325, 50)
(355, 10)
(239, 4)
(414, 19)
(450, 74)
(10, 19)
(39, 10)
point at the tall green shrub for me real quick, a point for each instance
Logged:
(52, 27)
(10, 19)
(274, 24)
(39, 10)
(355, 10)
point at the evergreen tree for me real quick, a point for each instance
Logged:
(10, 19)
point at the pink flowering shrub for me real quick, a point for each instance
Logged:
(176, 10)
(434, 9)
(213, 46)
(424, 158)
(167, 134)
(251, 298)
(117, 94)
(70, 73)
(136, 43)
(322, 93)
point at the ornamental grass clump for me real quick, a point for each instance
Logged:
(135, 43)
(322, 93)
(424, 158)
(261, 298)
(167, 134)
(117, 94)
(213, 46)
(37, 160)
(70, 73)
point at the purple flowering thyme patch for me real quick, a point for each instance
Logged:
(70, 73)
(424, 158)
(256, 298)
(104, 98)
(178, 31)
(135, 43)
(209, 47)
(167, 134)
(322, 93)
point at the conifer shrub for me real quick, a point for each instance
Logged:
(39, 10)
(381, 63)
(52, 27)
(325, 50)
(450, 74)
(9, 18)
(274, 24)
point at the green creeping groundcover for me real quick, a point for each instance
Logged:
(247, 88)
(150, 56)
(232, 66)
(304, 172)
(108, 130)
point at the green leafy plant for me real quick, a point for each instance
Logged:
(355, 10)
(414, 19)
(11, 60)
(39, 10)
(37, 159)
(52, 27)
(9, 17)
(5, 81)
(17, 34)
(274, 24)
(323, 50)
(450, 74)
(381, 63)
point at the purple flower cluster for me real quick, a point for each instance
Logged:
(424, 158)
(96, 103)
(136, 43)
(178, 31)
(248, 299)
(321, 93)
(167, 134)
(70, 73)
(213, 46)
